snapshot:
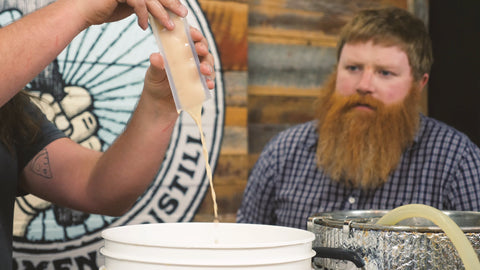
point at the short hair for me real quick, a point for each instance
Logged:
(391, 27)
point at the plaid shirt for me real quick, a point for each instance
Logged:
(441, 169)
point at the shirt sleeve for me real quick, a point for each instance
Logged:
(258, 203)
(48, 133)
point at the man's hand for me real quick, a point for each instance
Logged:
(156, 82)
(101, 11)
(206, 58)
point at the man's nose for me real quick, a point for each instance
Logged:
(365, 85)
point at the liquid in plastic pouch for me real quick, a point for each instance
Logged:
(182, 65)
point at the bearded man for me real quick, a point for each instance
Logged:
(370, 147)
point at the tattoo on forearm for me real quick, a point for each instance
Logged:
(40, 164)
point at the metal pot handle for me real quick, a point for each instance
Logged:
(339, 254)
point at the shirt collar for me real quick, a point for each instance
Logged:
(420, 130)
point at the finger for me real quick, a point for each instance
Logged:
(201, 44)
(210, 83)
(174, 6)
(201, 49)
(140, 9)
(159, 11)
(156, 71)
(206, 69)
(209, 73)
(196, 35)
(209, 61)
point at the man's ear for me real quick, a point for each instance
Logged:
(423, 81)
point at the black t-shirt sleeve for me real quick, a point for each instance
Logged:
(48, 133)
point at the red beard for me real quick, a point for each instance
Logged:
(362, 148)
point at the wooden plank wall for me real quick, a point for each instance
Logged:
(228, 20)
(291, 50)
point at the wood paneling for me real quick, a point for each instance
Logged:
(305, 22)
(228, 22)
(288, 65)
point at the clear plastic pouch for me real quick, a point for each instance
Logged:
(182, 65)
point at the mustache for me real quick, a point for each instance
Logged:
(350, 102)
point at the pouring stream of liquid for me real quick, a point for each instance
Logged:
(196, 113)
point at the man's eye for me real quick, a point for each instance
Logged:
(352, 68)
(385, 73)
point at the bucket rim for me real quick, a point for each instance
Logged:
(306, 236)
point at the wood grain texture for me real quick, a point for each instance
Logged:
(229, 24)
(235, 83)
(294, 109)
(228, 21)
(280, 65)
(304, 21)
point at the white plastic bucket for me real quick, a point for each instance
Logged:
(206, 246)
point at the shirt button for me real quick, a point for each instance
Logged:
(351, 200)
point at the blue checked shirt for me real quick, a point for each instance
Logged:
(285, 187)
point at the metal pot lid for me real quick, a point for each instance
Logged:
(468, 221)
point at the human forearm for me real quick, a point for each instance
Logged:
(128, 167)
(28, 45)
(104, 183)
(31, 43)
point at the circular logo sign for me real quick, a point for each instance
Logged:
(89, 92)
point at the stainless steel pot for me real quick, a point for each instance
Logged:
(352, 240)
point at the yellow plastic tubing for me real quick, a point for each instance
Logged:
(462, 244)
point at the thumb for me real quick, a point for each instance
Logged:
(156, 72)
